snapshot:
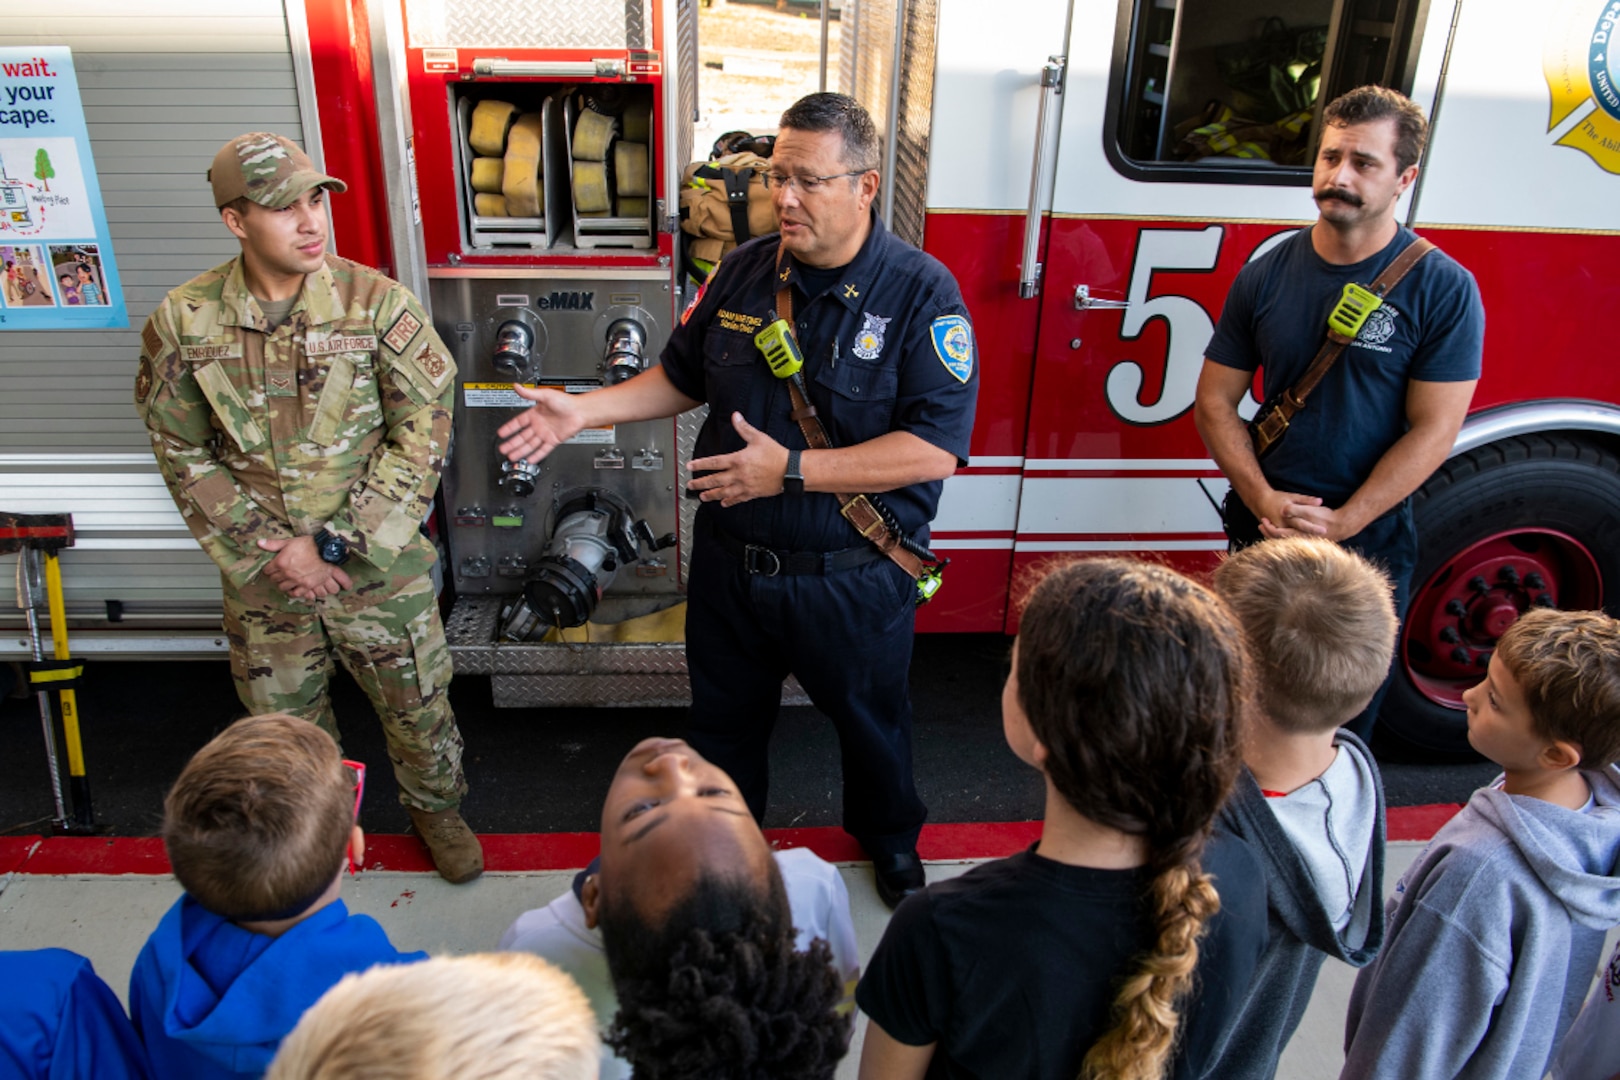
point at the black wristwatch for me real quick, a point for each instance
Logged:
(332, 549)
(793, 479)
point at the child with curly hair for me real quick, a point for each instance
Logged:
(1106, 950)
(706, 954)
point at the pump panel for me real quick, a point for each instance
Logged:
(570, 332)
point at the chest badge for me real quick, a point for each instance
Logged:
(869, 340)
(1380, 326)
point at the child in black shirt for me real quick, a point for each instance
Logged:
(1084, 955)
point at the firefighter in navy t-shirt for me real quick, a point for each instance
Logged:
(780, 583)
(1388, 411)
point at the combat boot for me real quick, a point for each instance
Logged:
(455, 849)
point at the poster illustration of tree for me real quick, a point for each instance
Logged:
(50, 201)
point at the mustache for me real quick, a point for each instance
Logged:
(1337, 193)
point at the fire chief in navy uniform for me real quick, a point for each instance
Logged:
(780, 583)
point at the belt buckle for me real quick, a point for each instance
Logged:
(761, 560)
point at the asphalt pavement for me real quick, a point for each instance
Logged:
(546, 770)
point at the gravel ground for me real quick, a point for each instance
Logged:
(773, 60)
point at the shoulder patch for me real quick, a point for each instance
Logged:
(697, 297)
(143, 381)
(433, 364)
(953, 343)
(399, 335)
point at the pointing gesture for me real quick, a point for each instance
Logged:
(753, 472)
(553, 419)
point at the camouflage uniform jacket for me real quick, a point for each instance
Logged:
(339, 418)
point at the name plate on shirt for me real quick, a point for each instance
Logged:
(199, 354)
(337, 343)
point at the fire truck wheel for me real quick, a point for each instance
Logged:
(1529, 521)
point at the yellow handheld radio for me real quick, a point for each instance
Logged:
(780, 349)
(1352, 310)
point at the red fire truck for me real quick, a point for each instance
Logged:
(1094, 174)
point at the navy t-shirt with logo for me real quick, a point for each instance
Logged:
(1431, 328)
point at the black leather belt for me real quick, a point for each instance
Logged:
(758, 559)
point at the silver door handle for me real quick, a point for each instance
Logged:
(1029, 277)
(1084, 301)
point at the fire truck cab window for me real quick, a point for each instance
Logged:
(1232, 90)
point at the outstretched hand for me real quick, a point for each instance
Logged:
(754, 472)
(552, 420)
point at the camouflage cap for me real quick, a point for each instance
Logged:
(268, 169)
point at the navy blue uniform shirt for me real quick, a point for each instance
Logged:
(887, 347)
(1431, 328)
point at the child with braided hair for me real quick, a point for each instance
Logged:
(1120, 945)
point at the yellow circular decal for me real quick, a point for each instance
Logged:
(1582, 73)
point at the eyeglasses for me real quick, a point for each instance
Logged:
(358, 768)
(806, 185)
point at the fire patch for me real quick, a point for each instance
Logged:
(402, 332)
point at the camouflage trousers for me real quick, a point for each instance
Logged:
(281, 659)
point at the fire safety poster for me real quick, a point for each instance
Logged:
(58, 261)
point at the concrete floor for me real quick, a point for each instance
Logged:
(107, 918)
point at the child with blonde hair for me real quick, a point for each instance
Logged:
(258, 829)
(489, 1016)
(1122, 943)
(1320, 624)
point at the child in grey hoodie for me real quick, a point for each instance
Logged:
(1495, 931)
(1320, 623)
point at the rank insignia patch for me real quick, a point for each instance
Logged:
(400, 334)
(953, 341)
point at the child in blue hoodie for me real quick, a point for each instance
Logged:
(59, 1021)
(257, 829)
(1495, 931)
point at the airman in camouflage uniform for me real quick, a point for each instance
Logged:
(332, 424)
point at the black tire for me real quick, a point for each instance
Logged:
(1565, 483)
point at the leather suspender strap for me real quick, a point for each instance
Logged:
(1270, 426)
(856, 509)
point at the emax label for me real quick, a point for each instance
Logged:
(565, 301)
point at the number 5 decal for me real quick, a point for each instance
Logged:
(1188, 326)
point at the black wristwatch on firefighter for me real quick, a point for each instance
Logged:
(332, 549)
(793, 479)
